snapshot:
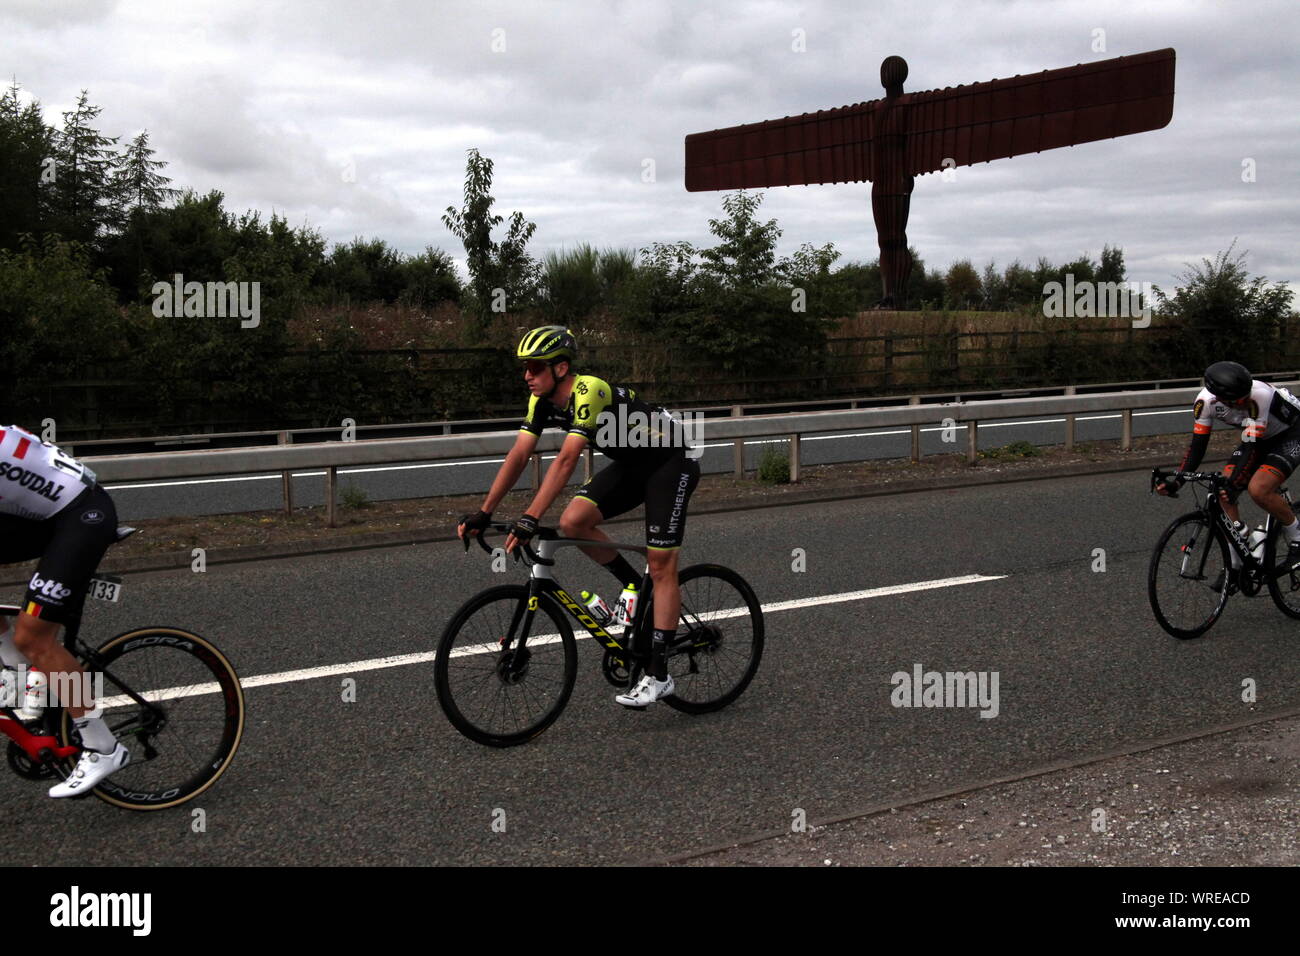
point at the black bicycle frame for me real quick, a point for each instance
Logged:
(1213, 508)
(542, 582)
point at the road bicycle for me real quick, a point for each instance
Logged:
(1202, 559)
(169, 695)
(507, 661)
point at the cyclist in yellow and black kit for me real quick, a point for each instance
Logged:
(648, 464)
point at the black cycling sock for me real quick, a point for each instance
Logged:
(622, 569)
(659, 653)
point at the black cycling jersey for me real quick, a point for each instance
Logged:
(612, 418)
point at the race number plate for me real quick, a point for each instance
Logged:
(107, 588)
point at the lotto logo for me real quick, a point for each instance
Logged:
(48, 587)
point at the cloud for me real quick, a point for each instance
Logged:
(272, 104)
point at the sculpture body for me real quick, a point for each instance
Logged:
(892, 140)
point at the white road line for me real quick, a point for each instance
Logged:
(425, 657)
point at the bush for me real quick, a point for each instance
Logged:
(774, 467)
(354, 496)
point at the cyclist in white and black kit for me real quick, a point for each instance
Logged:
(52, 508)
(1270, 446)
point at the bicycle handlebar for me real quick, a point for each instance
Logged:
(532, 555)
(1213, 478)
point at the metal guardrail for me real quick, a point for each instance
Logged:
(330, 456)
(167, 443)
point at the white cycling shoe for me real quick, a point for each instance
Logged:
(646, 692)
(90, 770)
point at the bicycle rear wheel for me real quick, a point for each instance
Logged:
(1284, 586)
(1189, 575)
(176, 703)
(492, 690)
(720, 639)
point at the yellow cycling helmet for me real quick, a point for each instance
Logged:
(548, 343)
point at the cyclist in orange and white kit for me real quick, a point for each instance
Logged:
(1270, 447)
(52, 508)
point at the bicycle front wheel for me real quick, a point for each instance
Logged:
(1189, 576)
(1283, 582)
(719, 639)
(176, 703)
(504, 671)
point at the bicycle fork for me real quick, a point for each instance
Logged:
(1194, 558)
(512, 662)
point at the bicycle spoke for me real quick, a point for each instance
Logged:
(500, 691)
(1189, 577)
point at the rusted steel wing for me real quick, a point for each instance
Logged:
(965, 124)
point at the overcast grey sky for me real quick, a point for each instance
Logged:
(280, 104)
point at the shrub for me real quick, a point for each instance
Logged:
(774, 467)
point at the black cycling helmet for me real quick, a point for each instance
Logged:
(1228, 381)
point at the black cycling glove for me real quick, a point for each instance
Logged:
(478, 521)
(524, 528)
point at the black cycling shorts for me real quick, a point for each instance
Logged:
(70, 545)
(665, 488)
(1279, 454)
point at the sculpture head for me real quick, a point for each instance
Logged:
(893, 71)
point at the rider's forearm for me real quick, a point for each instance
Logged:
(506, 477)
(557, 476)
(1195, 452)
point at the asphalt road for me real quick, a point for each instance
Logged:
(219, 495)
(1082, 669)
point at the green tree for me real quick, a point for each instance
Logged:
(1023, 290)
(194, 237)
(83, 199)
(139, 189)
(962, 288)
(57, 319)
(660, 295)
(738, 307)
(1226, 313)
(925, 287)
(429, 278)
(745, 259)
(363, 270)
(994, 288)
(861, 284)
(826, 295)
(497, 269)
(1112, 265)
(577, 282)
(26, 143)
(138, 184)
